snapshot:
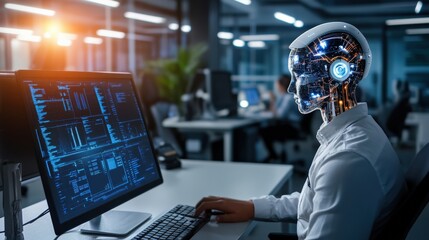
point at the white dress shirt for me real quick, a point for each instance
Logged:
(354, 181)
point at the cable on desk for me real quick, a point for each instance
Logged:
(34, 219)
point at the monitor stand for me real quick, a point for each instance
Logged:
(115, 223)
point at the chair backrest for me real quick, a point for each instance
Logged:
(406, 213)
(161, 111)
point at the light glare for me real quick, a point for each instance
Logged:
(284, 17)
(245, 2)
(29, 9)
(16, 31)
(418, 8)
(186, 28)
(173, 26)
(109, 3)
(299, 24)
(256, 44)
(407, 21)
(144, 17)
(110, 33)
(238, 43)
(93, 40)
(225, 35)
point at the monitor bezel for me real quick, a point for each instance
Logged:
(9, 82)
(63, 226)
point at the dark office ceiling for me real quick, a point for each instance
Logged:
(313, 12)
(258, 15)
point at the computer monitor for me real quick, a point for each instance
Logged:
(219, 88)
(16, 143)
(252, 96)
(93, 148)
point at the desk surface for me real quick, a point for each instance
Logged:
(222, 124)
(185, 186)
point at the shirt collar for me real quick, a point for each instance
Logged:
(327, 131)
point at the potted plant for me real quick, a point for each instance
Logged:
(172, 75)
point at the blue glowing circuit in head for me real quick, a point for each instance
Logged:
(324, 58)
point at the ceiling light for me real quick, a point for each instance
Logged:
(29, 38)
(284, 17)
(16, 31)
(109, 3)
(238, 43)
(245, 2)
(299, 24)
(29, 9)
(417, 31)
(144, 17)
(69, 36)
(173, 26)
(256, 44)
(110, 33)
(225, 35)
(260, 37)
(418, 8)
(186, 28)
(93, 40)
(407, 21)
(64, 42)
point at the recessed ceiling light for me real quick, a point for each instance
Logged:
(419, 6)
(24, 8)
(238, 43)
(16, 31)
(144, 17)
(109, 3)
(417, 31)
(110, 33)
(260, 37)
(407, 21)
(245, 2)
(284, 17)
(256, 44)
(225, 35)
(93, 40)
(298, 23)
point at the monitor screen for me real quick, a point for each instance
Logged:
(252, 96)
(16, 143)
(94, 151)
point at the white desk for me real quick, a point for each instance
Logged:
(225, 126)
(186, 186)
(421, 121)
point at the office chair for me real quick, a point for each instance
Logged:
(304, 132)
(161, 111)
(409, 209)
(405, 214)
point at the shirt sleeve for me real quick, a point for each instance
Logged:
(272, 208)
(347, 198)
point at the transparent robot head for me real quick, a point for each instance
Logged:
(323, 65)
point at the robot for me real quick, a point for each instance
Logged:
(326, 64)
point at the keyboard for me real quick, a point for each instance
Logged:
(178, 223)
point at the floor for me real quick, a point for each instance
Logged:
(420, 230)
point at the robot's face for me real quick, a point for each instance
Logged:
(322, 66)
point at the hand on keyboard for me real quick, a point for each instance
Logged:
(178, 223)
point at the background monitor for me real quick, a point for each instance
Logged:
(252, 96)
(93, 147)
(219, 87)
(16, 142)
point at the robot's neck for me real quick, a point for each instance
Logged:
(342, 98)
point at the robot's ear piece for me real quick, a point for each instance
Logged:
(339, 70)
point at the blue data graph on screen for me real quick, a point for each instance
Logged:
(93, 141)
